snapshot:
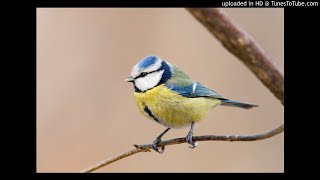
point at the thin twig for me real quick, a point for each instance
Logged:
(243, 46)
(147, 147)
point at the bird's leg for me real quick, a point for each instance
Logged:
(157, 140)
(189, 137)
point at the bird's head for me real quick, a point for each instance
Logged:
(150, 72)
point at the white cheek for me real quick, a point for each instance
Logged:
(149, 81)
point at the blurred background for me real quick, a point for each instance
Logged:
(86, 111)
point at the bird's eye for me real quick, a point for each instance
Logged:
(143, 74)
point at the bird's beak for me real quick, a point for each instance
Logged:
(130, 79)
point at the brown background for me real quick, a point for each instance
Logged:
(86, 112)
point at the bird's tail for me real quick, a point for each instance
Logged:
(227, 102)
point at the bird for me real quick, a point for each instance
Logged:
(164, 93)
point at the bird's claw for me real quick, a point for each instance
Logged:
(190, 141)
(155, 146)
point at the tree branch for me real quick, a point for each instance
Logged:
(243, 46)
(147, 147)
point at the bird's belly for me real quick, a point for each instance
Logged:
(171, 109)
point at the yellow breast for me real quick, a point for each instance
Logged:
(171, 109)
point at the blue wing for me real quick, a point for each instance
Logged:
(194, 90)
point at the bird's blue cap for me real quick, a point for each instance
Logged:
(147, 62)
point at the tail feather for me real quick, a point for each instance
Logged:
(227, 102)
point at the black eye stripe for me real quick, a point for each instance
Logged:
(143, 74)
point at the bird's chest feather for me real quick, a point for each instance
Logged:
(170, 109)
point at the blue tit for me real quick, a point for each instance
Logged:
(167, 95)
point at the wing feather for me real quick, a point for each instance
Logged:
(194, 90)
(182, 84)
